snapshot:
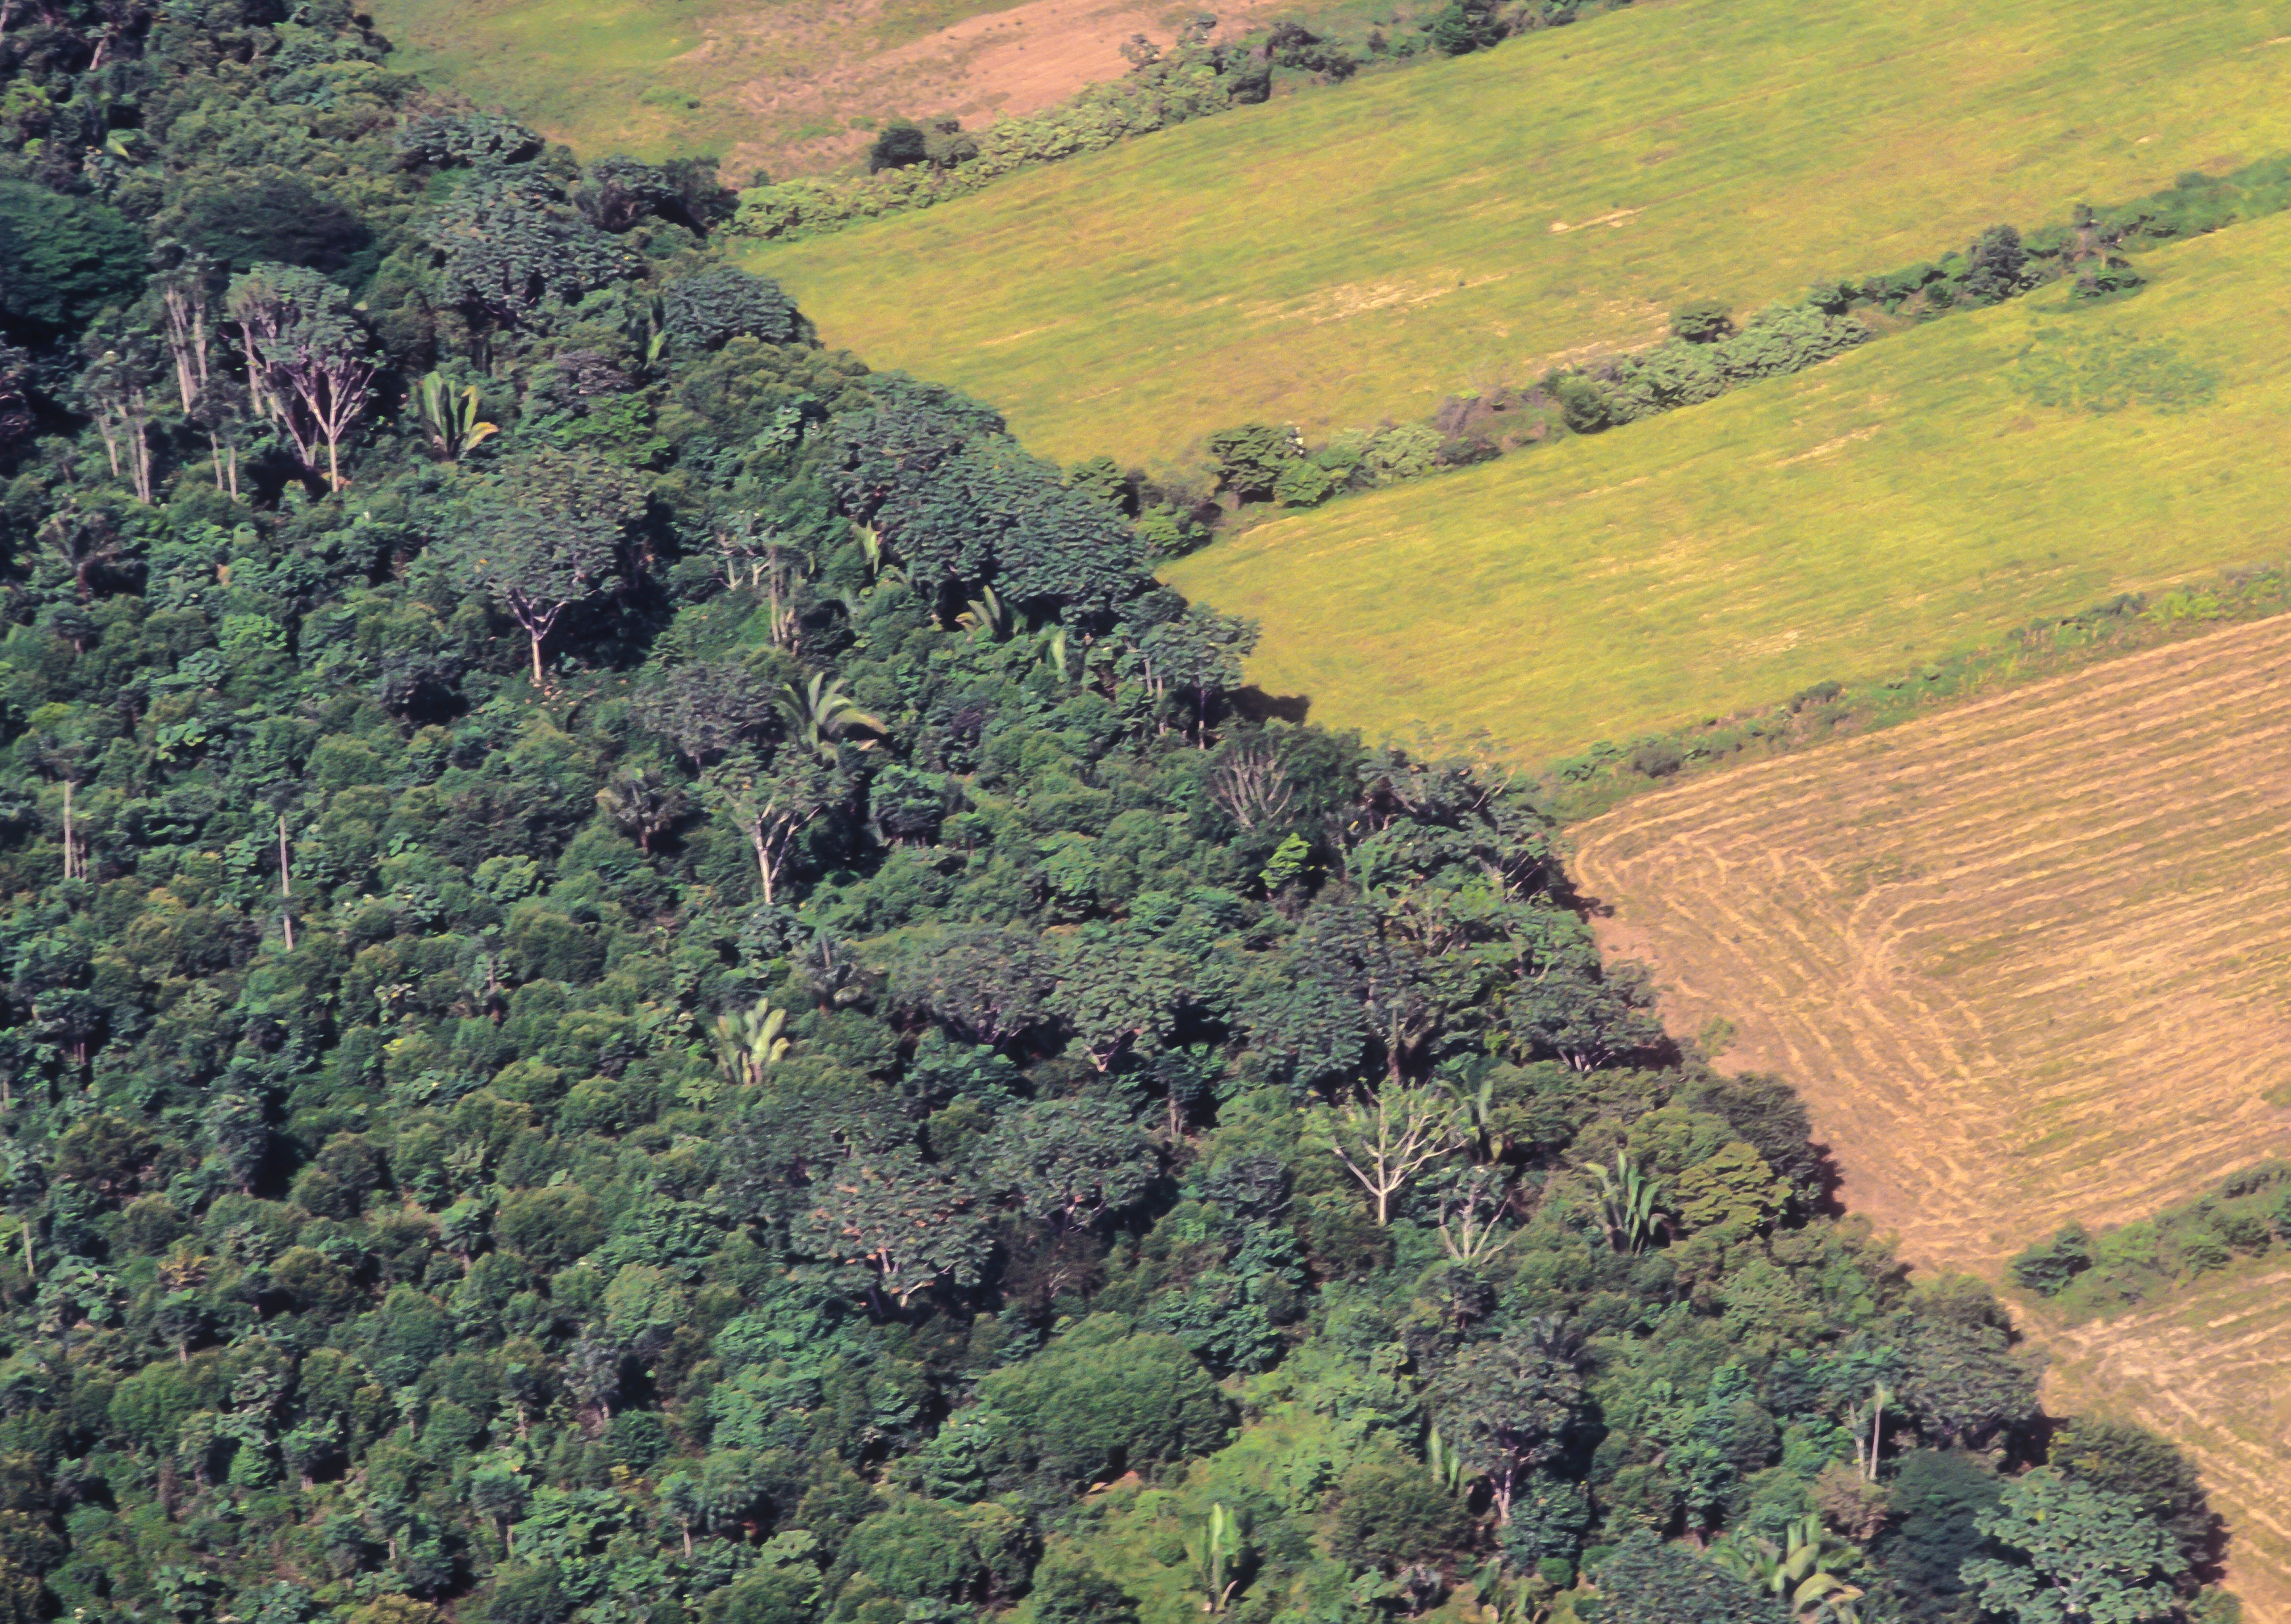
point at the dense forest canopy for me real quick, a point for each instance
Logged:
(647, 976)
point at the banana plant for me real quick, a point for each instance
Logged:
(1218, 1550)
(820, 712)
(987, 614)
(452, 418)
(1802, 1570)
(1447, 1466)
(1052, 641)
(1630, 1204)
(649, 332)
(749, 1043)
(1486, 1139)
(880, 570)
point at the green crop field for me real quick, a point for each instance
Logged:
(1335, 258)
(1913, 499)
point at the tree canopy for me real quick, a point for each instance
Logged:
(708, 1005)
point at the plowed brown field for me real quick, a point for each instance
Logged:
(2027, 961)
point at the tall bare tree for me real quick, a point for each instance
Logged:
(307, 357)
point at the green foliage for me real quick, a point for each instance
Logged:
(924, 1550)
(706, 310)
(1102, 1403)
(1703, 321)
(1644, 1582)
(1251, 459)
(1935, 1498)
(2134, 1462)
(1390, 1513)
(61, 259)
(2048, 1267)
(2247, 1216)
(831, 1073)
(911, 167)
(1067, 1590)
(2070, 1551)
(1220, 1552)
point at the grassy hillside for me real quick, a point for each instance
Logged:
(1335, 258)
(1912, 499)
(654, 77)
(791, 85)
(2026, 960)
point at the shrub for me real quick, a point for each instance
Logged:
(2047, 1267)
(2112, 277)
(706, 311)
(1251, 459)
(1646, 1582)
(551, 1227)
(769, 1596)
(926, 1551)
(1657, 758)
(1067, 1590)
(62, 259)
(1103, 1402)
(1996, 266)
(1583, 405)
(526, 1595)
(1303, 485)
(1409, 451)
(1464, 26)
(1391, 1513)
(900, 145)
(1705, 321)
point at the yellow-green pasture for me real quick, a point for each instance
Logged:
(1343, 255)
(1914, 499)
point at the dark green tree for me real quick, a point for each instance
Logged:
(2072, 1551)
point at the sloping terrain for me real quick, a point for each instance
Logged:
(2027, 961)
(1338, 257)
(1917, 497)
(788, 85)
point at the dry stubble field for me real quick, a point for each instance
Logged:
(2027, 961)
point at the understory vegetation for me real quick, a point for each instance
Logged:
(647, 978)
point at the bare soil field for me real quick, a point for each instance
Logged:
(2027, 961)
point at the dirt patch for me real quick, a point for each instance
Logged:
(2028, 961)
(997, 64)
